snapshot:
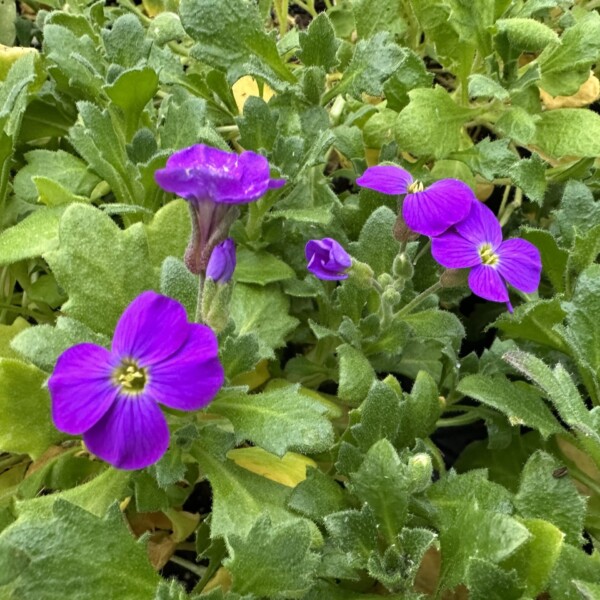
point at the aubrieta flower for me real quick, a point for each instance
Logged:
(327, 259)
(214, 182)
(221, 264)
(428, 211)
(476, 243)
(112, 397)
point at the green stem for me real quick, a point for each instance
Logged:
(438, 459)
(309, 8)
(190, 566)
(9, 461)
(459, 420)
(419, 299)
(422, 251)
(198, 318)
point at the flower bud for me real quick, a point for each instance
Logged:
(221, 264)
(215, 305)
(401, 231)
(420, 471)
(403, 268)
(327, 259)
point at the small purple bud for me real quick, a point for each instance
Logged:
(222, 262)
(327, 259)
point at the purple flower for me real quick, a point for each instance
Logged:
(429, 211)
(112, 397)
(477, 242)
(214, 182)
(327, 259)
(221, 264)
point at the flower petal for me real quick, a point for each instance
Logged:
(204, 173)
(81, 388)
(131, 435)
(435, 209)
(454, 252)
(189, 379)
(520, 264)
(387, 179)
(152, 328)
(485, 281)
(481, 226)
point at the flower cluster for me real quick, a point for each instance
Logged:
(465, 234)
(112, 396)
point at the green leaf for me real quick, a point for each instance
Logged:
(43, 344)
(240, 354)
(101, 267)
(354, 533)
(536, 559)
(33, 236)
(554, 259)
(376, 244)
(371, 18)
(25, 423)
(356, 374)
(434, 324)
(240, 497)
(379, 416)
(418, 128)
(420, 410)
(568, 132)
(278, 420)
(578, 211)
(60, 166)
(318, 44)
(382, 482)
(230, 36)
(168, 232)
(534, 321)
(573, 565)
(130, 92)
(517, 124)
(472, 20)
(482, 86)
(566, 66)
(411, 74)
(272, 560)
(8, 16)
(63, 551)
(264, 312)
(527, 35)
(486, 581)
(556, 384)
(260, 267)
(543, 496)
(177, 282)
(258, 125)
(584, 252)
(374, 61)
(519, 402)
(317, 496)
(102, 146)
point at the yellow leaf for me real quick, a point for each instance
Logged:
(289, 470)
(254, 378)
(588, 93)
(9, 55)
(247, 86)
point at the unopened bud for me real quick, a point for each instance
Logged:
(215, 304)
(391, 296)
(420, 471)
(403, 268)
(454, 278)
(361, 274)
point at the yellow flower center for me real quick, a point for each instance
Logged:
(487, 255)
(415, 186)
(131, 377)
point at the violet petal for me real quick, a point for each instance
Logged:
(221, 264)
(435, 209)
(387, 179)
(327, 259)
(454, 252)
(81, 388)
(131, 435)
(520, 264)
(481, 226)
(189, 379)
(485, 281)
(152, 328)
